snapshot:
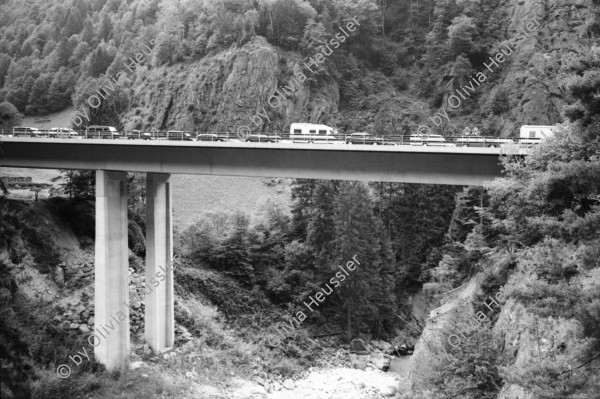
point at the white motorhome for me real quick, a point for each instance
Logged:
(313, 133)
(531, 135)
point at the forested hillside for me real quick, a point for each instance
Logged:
(535, 241)
(212, 65)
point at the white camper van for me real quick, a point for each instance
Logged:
(313, 133)
(532, 135)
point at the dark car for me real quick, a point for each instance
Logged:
(212, 137)
(139, 135)
(262, 138)
(178, 135)
(363, 138)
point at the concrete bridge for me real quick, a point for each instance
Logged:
(112, 159)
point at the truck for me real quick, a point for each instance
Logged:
(531, 135)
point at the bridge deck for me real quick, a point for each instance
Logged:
(408, 164)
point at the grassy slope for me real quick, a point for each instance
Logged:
(194, 195)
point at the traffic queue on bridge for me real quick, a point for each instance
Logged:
(298, 133)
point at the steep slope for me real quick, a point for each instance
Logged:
(228, 90)
(530, 79)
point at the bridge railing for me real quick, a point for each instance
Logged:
(286, 137)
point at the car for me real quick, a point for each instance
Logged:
(211, 137)
(363, 138)
(262, 138)
(139, 135)
(20, 131)
(428, 140)
(63, 132)
(101, 132)
(179, 135)
(479, 141)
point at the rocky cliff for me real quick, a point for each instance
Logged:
(230, 90)
(530, 79)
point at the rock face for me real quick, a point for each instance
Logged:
(522, 344)
(227, 90)
(429, 351)
(530, 77)
(519, 343)
(528, 84)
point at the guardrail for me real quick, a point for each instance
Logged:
(360, 139)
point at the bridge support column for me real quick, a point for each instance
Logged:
(111, 320)
(159, 318)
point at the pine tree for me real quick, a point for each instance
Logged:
(303, 196)
(320, 232)
(60, 90)
(61, 54)
(38, 97)
(77, 183)
(104, 29)
(355, 229)
(87, 34)
(5, 62)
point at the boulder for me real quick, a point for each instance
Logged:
(359, 346)
(358, 364)
(383, 346)
(165, 350)
(136, 365)
(380, 361)
(388, 391)
(276, 386)
(59, 276)
(84, 328)
(288, 383)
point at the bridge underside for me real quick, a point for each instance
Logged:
(403, 164)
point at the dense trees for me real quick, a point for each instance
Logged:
(544, 217)
(9, 116)
(333, 222)
(77, 184)
(85, 37)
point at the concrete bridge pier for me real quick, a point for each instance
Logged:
(159, 318)
(111, 320)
